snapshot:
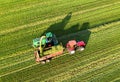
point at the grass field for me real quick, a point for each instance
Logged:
(97, 22)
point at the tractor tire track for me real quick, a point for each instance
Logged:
(68, 74)
(26, 67)
(114, 24)
(89, 67)
(102, 53)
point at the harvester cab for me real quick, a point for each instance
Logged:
(46, 47)
(51, 39)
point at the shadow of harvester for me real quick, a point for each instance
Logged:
(74, 31)
(58, 28)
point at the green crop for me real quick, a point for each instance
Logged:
(97, 22)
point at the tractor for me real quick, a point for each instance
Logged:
(73, 46)
(47, 47)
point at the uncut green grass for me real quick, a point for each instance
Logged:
(84, 8)
(41, 72)
(14, 57)
(35, 12)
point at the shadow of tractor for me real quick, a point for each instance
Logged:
(78, 33)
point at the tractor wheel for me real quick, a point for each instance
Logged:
(42, 62)
(47, 61)
(80, 48)
(72, 52)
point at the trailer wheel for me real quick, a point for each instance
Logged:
(42, 62)
(47, 60)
